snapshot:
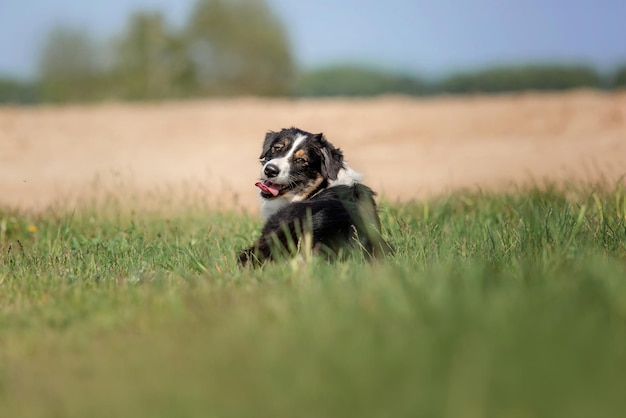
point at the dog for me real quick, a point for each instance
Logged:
(307, 189)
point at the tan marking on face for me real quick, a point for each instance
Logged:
(299, 154)
(311, 186)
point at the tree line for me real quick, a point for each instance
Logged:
(350, 80)
(213, 54)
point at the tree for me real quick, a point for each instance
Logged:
(150, 60)
(17, 91)
(239, 47)
(68, 67)
(619, 81)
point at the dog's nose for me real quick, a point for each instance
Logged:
(271, 170)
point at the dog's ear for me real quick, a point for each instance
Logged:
(332, 158)
(270, 137)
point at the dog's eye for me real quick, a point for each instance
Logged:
(300, 161)
(277, 148)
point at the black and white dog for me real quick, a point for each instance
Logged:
(307, 188)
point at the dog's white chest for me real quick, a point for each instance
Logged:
(270, 207)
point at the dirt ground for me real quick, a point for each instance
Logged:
(406, 148)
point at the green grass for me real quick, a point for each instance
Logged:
(492, 306)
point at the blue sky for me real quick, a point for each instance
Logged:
(427, 37)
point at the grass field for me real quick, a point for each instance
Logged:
(493, 305)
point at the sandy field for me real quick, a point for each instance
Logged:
(406, 148)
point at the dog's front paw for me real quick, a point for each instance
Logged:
(245, 257)
(252, 257)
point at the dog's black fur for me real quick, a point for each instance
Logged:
(312, 197)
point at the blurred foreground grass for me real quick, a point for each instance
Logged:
(501, 305)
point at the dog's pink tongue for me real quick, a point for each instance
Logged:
(268, 187)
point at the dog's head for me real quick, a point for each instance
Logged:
(296, 163)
